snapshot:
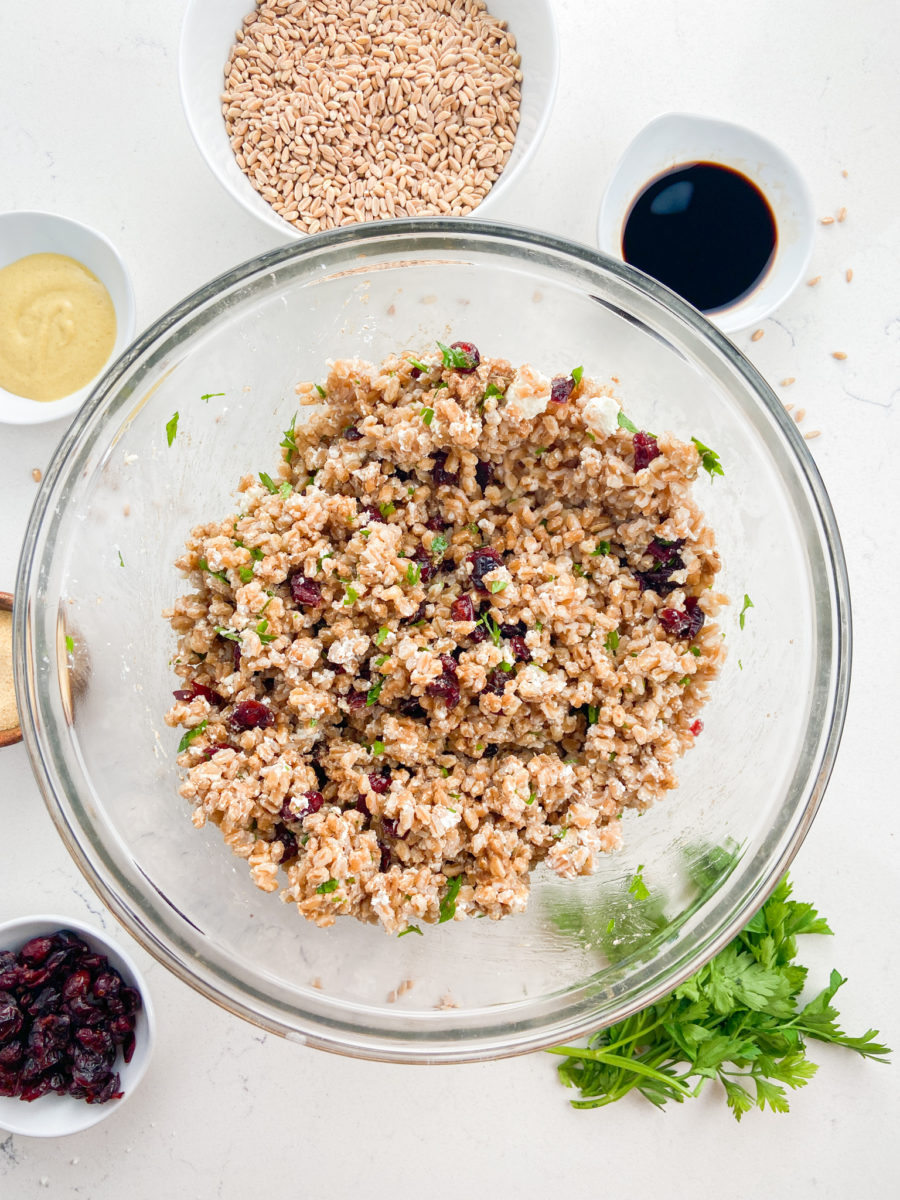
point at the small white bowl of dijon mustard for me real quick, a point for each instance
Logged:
(66, 313)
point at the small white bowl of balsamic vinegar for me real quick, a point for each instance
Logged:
(66, 312)
(714, 211)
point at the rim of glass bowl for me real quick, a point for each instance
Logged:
(440, 1036)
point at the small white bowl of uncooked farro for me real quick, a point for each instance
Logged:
(323, 113)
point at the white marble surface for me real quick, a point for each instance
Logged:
(92, 127)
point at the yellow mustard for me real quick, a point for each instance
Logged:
(57, 326)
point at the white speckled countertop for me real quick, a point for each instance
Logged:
(92, 128)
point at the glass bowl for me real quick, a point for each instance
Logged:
(93, 651)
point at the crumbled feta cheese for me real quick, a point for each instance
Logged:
(601, 413)
(529, 392)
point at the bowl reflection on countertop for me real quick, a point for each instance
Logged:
(710, 853)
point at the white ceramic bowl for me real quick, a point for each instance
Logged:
(676, 139)
(56, 1116)
(24, 233)
(207, 35)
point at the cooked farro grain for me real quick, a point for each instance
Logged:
(838, 354)
(757, 334)
(814, 282)
(463, 629)
(848, 274)
(350, 110)
(788, 381)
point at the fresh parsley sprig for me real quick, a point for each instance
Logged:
(709, 460)
(736, 1020)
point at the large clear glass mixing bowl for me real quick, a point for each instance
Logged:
(118, 501)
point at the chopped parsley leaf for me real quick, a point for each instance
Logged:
(377, 748)
(454, 358)
(264, 637)
(637, 887)
(445, 772)
(320, 390)
(285, 488)
(611, 641)
(381, 635)
(191, 734)
(491, 626)
(748, 603)
(330, 885)
(350, 596)
(507, 667)
(121, 559)
(210, 396)
(498, 585)
(610, 924)
(413, 573)
(70, 644)
(601, 548)
(171, 429)
(231, 634)
(539, 625)
(709, 460)
(420, 366)
(593, 713)
(410, 929)
(532, 796)
(427, 415)
(578, 569)
(288, 442)
(612, 757)
(438, 544)
(624, 423)
(448, 900)
(374, 692)
(492, 392)
(204, 566)
(246, 574)
(256, 554)
(268, 482)
(387, 508)
(381, 660)
(577, 374)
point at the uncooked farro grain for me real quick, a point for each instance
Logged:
(461, 631)
(348, 110)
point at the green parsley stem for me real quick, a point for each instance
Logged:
(624, 1062)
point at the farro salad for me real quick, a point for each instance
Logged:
(461, 629)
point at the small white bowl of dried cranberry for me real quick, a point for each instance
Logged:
(76, 1026)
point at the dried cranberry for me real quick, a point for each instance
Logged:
(34, 952)
(484, 473)
(97, 1040)
(445, 688)
(33, 1091)
(46, 1001)
(10, 1081)
(198, 689)
(448, 662)
(236, 654)
(390, 827)
(35, 978)
(380, 784)
(410, 707)
(111, 1089)
(214, 748)
(520, 649)
(356, 699)
(10, 969)
(496, 682)
(288, 841)
(428, 567)
(11, 1053)
(470, 352)
(483, 560)
(121, 1026)
(415, 617)
(462, 609)
(686, 623)
(436, 524)
(352, 434)
(385, 863)
(478, 634)
(372, 513)
(645, 450)
(10, 1016)
(440, 474)
(561, 388)
(305, 591)
(697, 727)
(76, 985)
(362, 807)
(251, 714)
(312, 802)
(511, 629)
(128, 1046)
(668, 560)
(491, 750)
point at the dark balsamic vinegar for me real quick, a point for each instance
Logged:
(704, 230)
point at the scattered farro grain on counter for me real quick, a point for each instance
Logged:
(463, 628)
(349, 110)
